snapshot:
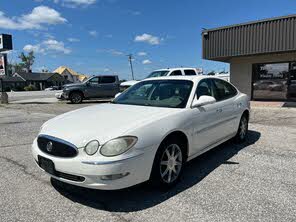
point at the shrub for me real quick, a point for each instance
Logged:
(30, 88)
(18, 88)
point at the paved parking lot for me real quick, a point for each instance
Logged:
(254, 181)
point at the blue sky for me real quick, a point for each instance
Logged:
(94, 36)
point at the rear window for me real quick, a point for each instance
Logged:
(176, 73)
(223, 90)
(190, 72)
(107, 79)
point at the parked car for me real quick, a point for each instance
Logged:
(95, 87)
(147, 133)
(52, 88)
(269, 85)
(162, 72)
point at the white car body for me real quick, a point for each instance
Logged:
(170, 71)
(205, 127)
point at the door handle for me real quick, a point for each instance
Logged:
(219, 110)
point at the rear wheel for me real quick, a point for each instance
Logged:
(76, 97)
(242, 129)
(168, 164)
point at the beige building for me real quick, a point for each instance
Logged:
(261, 54)
(70, 75)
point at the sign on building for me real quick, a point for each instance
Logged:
(2, 64)
(5, 42)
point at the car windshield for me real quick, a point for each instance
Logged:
(158, 93)
(158, 74)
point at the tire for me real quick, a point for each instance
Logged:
(242, 129)
(76, 97)
(167, 168)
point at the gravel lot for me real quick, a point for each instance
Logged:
(254, 181)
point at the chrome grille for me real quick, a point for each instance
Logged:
(56, 147)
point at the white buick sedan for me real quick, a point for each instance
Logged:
(146, 133)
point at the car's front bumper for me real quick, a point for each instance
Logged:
(62, 95)
(59, 95)
(134, 169)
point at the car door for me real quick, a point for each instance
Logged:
(205, 120)
(225, 95)
(108, 86)
(93, 88)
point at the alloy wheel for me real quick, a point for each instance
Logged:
(171, 163)
(76, 98)
(243, 128)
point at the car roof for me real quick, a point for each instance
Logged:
(103, 75)
(177, 68)
(191, 78)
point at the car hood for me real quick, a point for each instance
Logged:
(102, 122)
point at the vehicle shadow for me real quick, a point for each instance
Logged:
(142, 196)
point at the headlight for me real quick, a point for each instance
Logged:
(118, 146)
(92, 147)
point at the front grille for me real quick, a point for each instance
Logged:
(56, 147)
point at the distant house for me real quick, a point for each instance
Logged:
(41, 80)
(70, 75)
(13, 83)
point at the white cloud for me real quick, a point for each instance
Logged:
(111, 51)
(41, 15)
(36, 48)
(115, 52)
(152, 40)
(81, 2)
(73, 40)
(93, 33)
(48, 46)
(75, 3)
(142, 53)
(54, 45)
(146, 62)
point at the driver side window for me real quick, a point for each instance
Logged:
(204, 88)
(94, 81)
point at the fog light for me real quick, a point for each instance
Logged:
(114, 176)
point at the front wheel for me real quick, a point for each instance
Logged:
(168, 164)
(242, 129)
(76, 97)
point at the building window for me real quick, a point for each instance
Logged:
(274, 81)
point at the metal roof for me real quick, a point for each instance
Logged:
(35, 76)
(12, 79)
(272, 35)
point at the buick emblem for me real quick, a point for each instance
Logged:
(49, 146)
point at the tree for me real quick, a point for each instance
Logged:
(212, 73)
(27, 61)
(16, 67)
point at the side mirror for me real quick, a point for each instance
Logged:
(118, 94)
(202, 101)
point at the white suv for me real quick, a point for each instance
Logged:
(163, 72)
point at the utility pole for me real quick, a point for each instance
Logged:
(130, 58)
